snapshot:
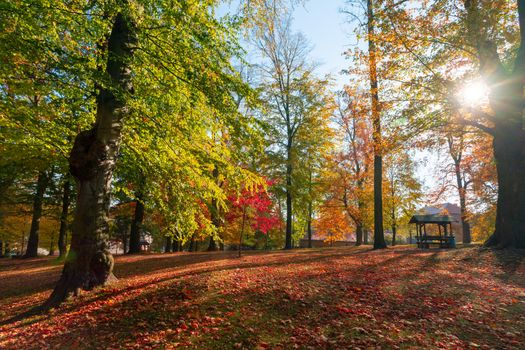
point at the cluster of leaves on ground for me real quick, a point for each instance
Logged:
(321, 299)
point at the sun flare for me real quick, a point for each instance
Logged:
(473, 94)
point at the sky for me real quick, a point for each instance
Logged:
(330, 34)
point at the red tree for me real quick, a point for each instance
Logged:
(254, 208)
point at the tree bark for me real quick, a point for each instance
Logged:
(509, 152)
(463, 208)
(136, 226)
(1, 249)
(394, 228)
(216, 222)
(289, 169)
(66, 194)
(32, 242)
(457, 156)
(359, 234)
(215, 214)
(379, 236)
(309, 225)
(92, 161)
(191, 247)
(242, 230)
(168, 246)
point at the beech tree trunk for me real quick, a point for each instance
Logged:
(136, 226)
(464, 218)
(32, 242)
(394, 234)
(216, 222)
(379, 236)
(309, 225)
(215, 214)
(242, 230)
(509, 152)
(168, 246)
(92, 161)
(359, 234)
(66, 194)
(289, 169)
(191, 247)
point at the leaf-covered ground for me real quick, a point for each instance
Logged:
(306, 299)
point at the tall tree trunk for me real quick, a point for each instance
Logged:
(66, 194)
(216, 222)
(463, 208)
(215, 214)
(92, 161)
(242, 230)
(32, 242)
(309, 225)
(1, 249)
(394, 228)
(168, 246)
(365, 235)
(509, 152)
(456, 152)
(379, 236)
(289, 169)
(359, 234)
(136, 226)
(192, 243)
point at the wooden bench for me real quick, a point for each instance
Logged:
(442, 241)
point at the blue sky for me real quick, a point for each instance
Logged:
(329, 32)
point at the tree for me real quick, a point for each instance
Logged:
(254, 209)
(402, 189)
(41, 185)
(373, 40)
(349, 173)
(92, 161)
(289, 90)
(138, 219)
(64, 223)
(379, 237)
(456, 148)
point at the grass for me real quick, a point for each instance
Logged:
(331, 298)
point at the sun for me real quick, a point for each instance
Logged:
(474, 93)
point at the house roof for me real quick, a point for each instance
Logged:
(432, 219)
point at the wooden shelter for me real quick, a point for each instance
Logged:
(445, 238)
